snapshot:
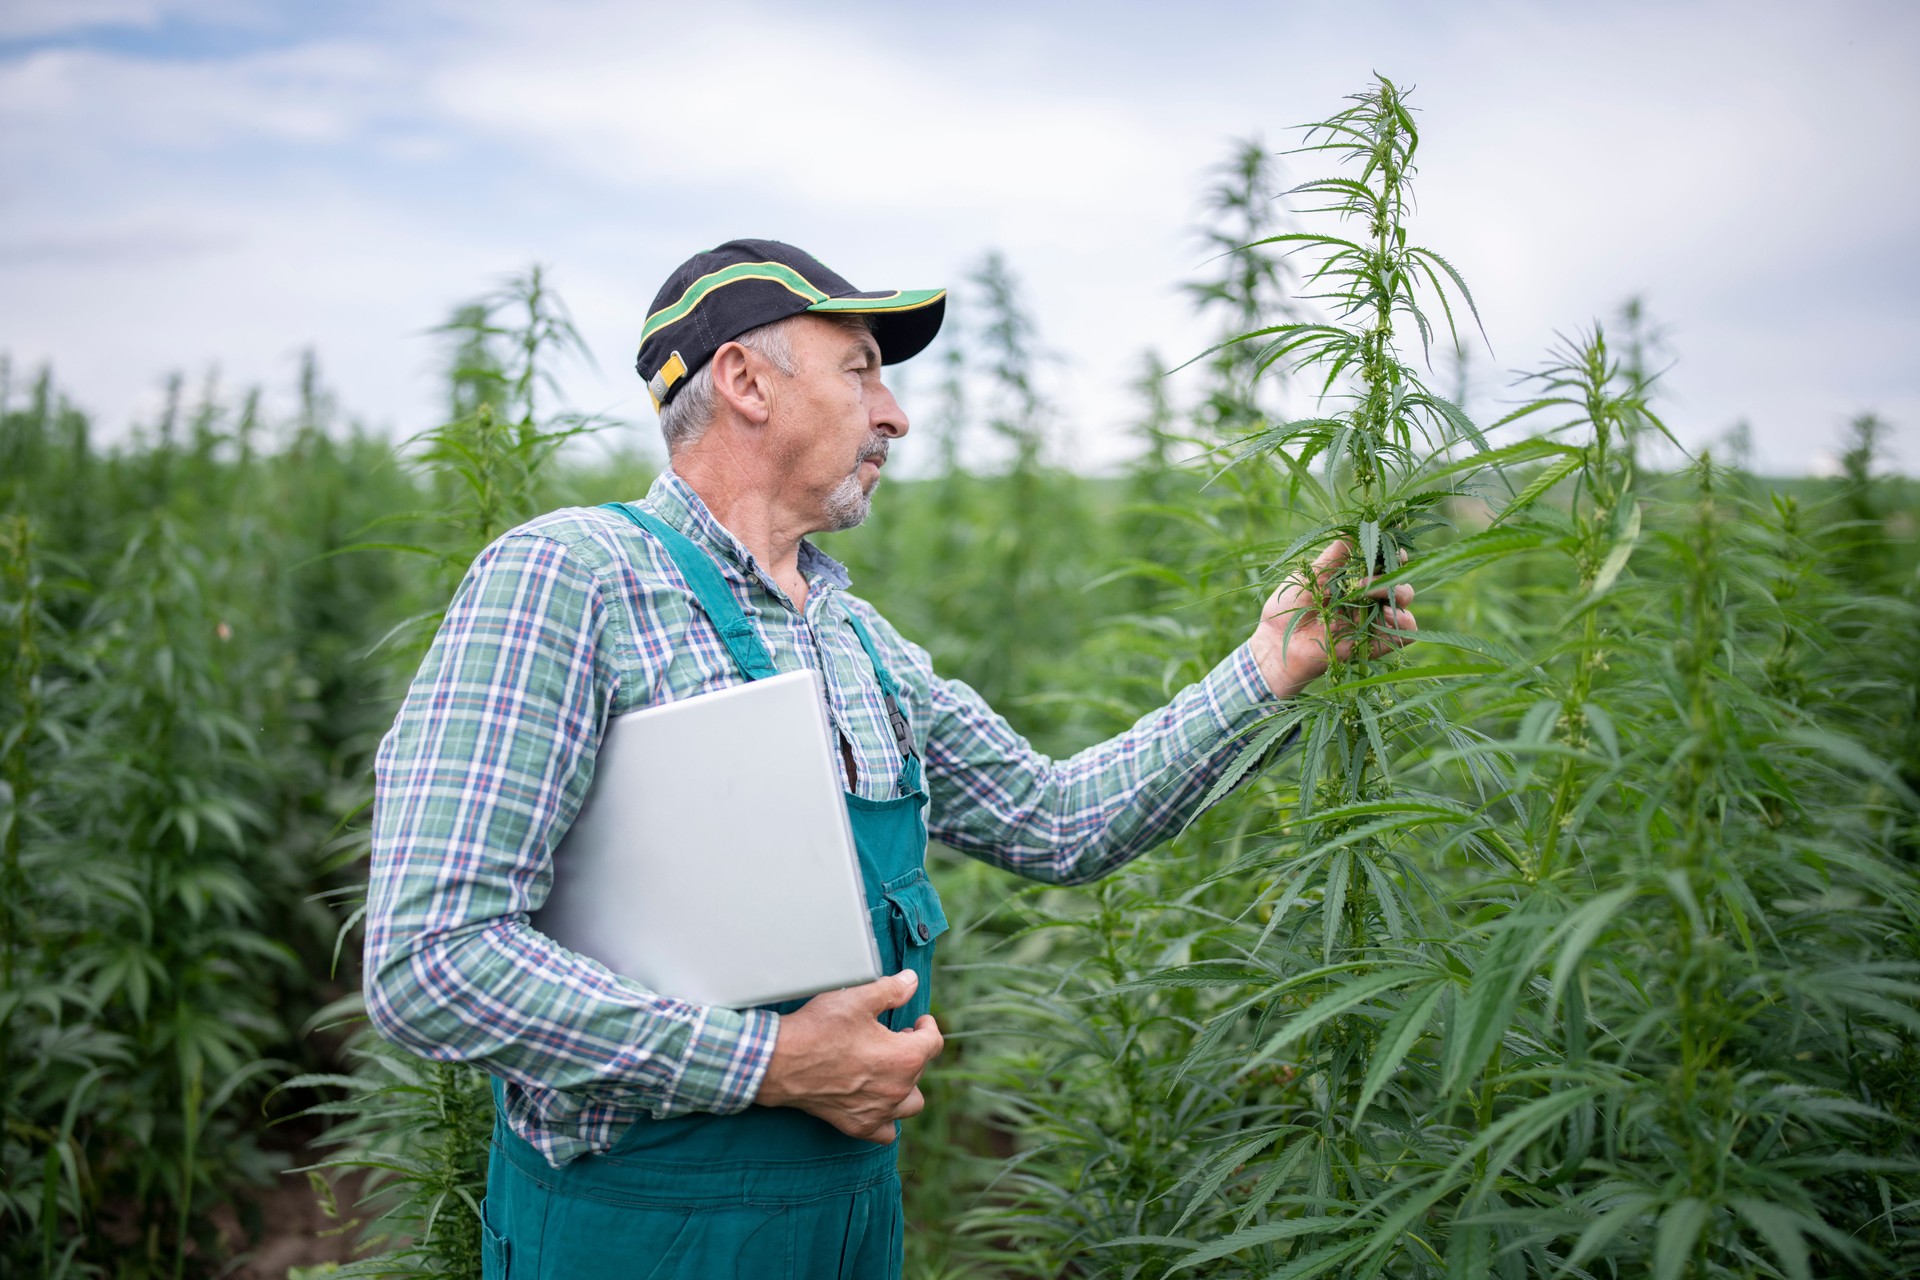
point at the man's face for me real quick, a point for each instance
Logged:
(834, 420)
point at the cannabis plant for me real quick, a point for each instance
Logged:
(1541, 967)
(420, 1129)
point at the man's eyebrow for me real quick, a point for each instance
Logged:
(869, 348)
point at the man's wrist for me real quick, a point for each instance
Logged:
(1284, 678)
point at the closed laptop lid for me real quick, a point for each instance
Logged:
(712, 860)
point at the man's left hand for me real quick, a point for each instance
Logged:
(1290, 644)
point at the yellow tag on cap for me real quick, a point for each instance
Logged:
(663, 382)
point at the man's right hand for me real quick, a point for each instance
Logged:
(833, 1059)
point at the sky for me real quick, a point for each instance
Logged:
(219, 184)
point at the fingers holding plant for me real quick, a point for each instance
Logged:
(1322, 608)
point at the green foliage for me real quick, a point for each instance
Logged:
(1581, 938)
(178, 712)
(1576, 942)
(419, 1132)
(420, 1129)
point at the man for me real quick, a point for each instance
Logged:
(640, 1135)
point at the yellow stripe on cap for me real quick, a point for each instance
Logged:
(778, 272)
(898, 300)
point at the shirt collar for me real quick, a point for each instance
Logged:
(674, 500)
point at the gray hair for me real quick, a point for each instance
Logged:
(686, 417)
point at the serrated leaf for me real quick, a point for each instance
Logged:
(1616, 560)
(1502, 653)
(1541, 484)
(1680, 1227)
(1782, 1229)
(1397, 1039)
(1265, 1233)
(1339, 1000)
(1252, 756)
(1601, 722)
(1210, 973)
(1577, 932)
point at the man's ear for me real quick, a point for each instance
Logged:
(742, 382)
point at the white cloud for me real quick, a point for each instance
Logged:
(837, 119)
(168, 111)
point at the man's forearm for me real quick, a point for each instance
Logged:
(503, 996)
(1073, 820)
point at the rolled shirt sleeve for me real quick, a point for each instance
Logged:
(480, 776)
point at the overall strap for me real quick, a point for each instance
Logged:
(909, 780)
(743, 642)
(710, 589)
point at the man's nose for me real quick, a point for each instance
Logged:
(888, 417)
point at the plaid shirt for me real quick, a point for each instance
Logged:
(577, 616)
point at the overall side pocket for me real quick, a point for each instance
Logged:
(496, 1255)
(916, 921)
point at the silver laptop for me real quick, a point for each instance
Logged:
(712, 860)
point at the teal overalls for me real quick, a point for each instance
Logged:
(770, 1192)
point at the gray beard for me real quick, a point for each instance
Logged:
(848, 505)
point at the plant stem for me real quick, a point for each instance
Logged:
(22, 594)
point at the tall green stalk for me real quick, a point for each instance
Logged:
(1603, 525)
(20, 581)
(422, 1128)
(1336, 982)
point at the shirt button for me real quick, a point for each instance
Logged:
(925, 933)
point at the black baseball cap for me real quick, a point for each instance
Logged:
(714, 297)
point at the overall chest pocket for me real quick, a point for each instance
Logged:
(906, 924)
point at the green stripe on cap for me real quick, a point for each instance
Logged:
(901, 300)
(778, 272)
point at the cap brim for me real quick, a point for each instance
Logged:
(904, 320)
